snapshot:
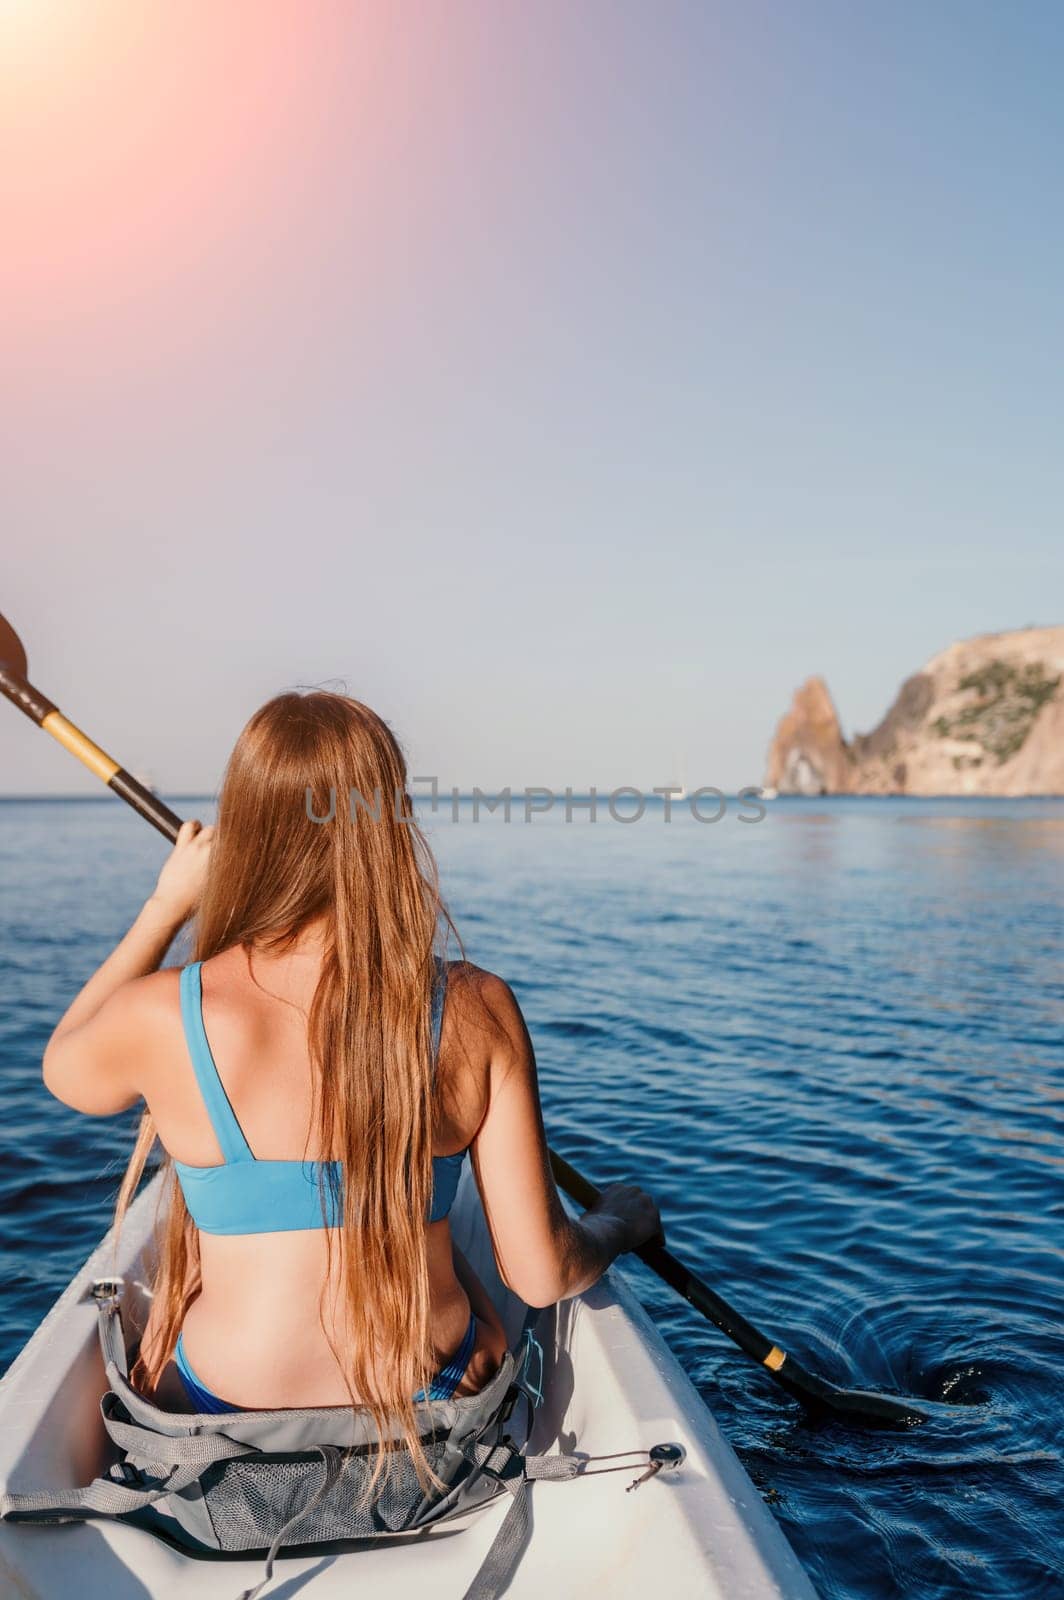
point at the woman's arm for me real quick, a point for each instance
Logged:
(543, 1254)
(91, 1061)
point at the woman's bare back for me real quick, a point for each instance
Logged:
(254, 1334)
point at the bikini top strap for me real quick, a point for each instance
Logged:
(230, 1135)
(439, 994)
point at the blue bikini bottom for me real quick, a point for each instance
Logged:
(442, 1386)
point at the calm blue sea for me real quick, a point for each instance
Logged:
(831, 1042)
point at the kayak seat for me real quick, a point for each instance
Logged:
(247, 1483)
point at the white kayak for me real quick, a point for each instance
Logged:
(610, 1385)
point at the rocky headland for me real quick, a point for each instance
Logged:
(983, 717)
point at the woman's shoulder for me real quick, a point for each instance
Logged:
(153, 998)
(479, 994)
(477, 1028)
(149, 1009)
(108, 1062)
(482, 1009)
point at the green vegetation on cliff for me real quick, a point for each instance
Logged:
(1009, 700)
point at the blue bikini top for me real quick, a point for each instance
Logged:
(245, 1195)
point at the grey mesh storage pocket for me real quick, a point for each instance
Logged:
(318, 1495)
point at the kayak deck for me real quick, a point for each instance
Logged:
(610, 1385)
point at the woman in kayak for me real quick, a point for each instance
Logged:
(316, 1078)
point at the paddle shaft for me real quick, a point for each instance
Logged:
(673, 1272)
(40, 710)
(816, 1392)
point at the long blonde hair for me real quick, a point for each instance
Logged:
(369, 875)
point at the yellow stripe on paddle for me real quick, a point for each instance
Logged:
(79, 744)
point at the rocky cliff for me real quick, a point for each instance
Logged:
(985, 716)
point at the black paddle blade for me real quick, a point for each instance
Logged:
(857, 1405)
(12, 654)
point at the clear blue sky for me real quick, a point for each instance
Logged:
(568, 380)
